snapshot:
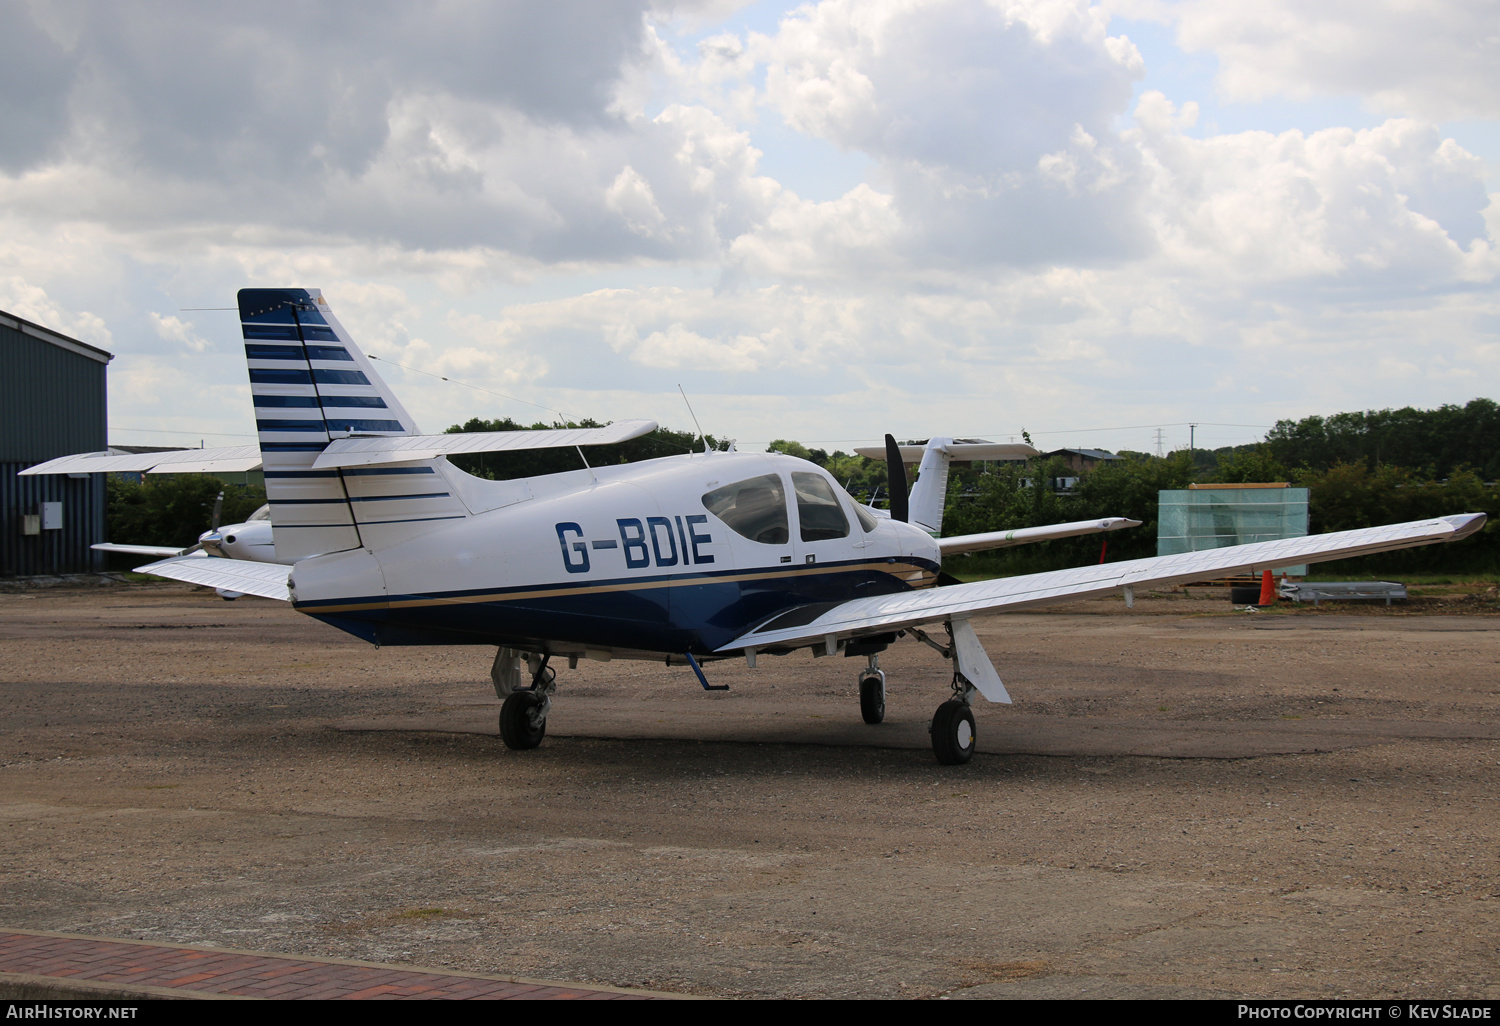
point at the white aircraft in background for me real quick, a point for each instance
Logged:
(684, 559)
(249, 540)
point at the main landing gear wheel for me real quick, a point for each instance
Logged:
(953, 733)
(872, 698)
(523, 723)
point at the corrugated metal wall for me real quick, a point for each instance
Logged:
(64, 551)
(52, 403)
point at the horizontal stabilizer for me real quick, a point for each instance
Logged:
(268, 580)
(885, 613)
(224, 460)
(959, 452)
(1026, 535)
(361, 452)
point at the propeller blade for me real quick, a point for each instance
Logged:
(218, 507)
(895, 472)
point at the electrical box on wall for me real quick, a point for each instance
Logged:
(31, 523)
(52, 516)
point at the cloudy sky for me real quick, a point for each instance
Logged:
(824, 221)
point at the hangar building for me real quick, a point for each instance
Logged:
(52, 403)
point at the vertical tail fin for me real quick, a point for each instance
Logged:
(930, 494)
(311, 384)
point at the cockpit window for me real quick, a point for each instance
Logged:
(818, 509)
(866, 518)
(755, 509)
(264, 513)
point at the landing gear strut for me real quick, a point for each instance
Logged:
(523, 717)
(872, 691)
(953, 735)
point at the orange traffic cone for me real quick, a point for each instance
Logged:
(1267, 590)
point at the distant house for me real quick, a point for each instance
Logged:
(52, 403)
(1082, 460)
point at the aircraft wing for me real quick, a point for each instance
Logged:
(360, 452)
(960, 451)
(268, 580)
(1026, 535)
(884, 613)
(223, 460)
(137, 550)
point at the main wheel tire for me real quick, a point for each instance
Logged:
(516, 728)
(872, 699)
(953, 733)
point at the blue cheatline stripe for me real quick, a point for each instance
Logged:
(302, 473)
(393, 498)
(328, 353)
(383, 471)
(366, 401)
(261, 351)
(289, 425)
(293, 446)
(279, 376)
(285, 402)
(344, 424)
(336, 377)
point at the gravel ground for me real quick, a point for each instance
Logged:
(1183, 802)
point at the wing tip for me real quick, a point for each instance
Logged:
(1465, 524)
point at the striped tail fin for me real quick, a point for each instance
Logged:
(311, 384)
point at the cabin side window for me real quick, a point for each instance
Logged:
(818, 509)
(754, 509)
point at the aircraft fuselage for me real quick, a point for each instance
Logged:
(674, 555)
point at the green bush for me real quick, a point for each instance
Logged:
(173, 509)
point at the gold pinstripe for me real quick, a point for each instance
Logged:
(910, 573)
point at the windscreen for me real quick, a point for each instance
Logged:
(818, 509)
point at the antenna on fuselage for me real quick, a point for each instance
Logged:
(701, 435)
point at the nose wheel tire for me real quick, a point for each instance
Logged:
(872, 699)
(953, 733)
(520, 726)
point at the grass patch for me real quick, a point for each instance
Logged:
(426, 913)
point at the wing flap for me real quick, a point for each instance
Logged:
(359, 452)
(267, 580)
(888, 612)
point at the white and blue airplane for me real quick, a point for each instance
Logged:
(685, 559)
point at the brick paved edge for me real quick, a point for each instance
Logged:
(169, 992)
(26, 987)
